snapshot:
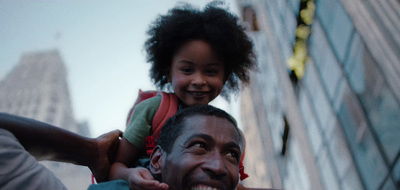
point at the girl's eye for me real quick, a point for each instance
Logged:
(212, 71)
(186, 70)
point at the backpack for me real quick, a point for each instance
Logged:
(168, 108)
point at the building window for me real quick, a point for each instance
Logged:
(313, 131)
(325, 11)
(340, 153)
(320, 102)
(351, 179)
(340, 33)
(388, 184)
(327, 173)
(365, 151)
(295, 4)
(325, 60)
(385, 119)
(396, 171)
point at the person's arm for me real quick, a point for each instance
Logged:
(125, 159)
(129, 151)
(47, 142)
(122, 168)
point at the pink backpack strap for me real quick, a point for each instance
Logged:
(143, 95)
(168, 108)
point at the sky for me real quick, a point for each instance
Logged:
(101, 44)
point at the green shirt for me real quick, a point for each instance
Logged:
(140, 124)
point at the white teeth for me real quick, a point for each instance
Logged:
(203, 188)
(198, 93)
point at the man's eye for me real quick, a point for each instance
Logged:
(199, 145)
(233, 154)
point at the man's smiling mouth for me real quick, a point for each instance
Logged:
(203, 187)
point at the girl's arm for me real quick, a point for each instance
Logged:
(47, 142)
(122, 168)
(125, 159)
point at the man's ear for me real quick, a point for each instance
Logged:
(156, 161)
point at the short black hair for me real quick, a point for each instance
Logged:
(174, 126)
(214, 25)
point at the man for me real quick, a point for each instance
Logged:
(199, 148)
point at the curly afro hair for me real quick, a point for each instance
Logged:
(215, 25)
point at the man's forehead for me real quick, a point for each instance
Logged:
(210, 124)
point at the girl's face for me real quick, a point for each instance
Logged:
(197, 75)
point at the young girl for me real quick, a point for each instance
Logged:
(198, 54)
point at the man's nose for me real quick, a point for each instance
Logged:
(215, 165)
(198, 79)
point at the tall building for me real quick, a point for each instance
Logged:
(37, 88)
(323, 111)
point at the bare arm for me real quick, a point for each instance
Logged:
(138, 178)
(47, 142)
(126, 157)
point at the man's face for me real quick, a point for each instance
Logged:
(206, 155)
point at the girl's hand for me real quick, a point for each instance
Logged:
(141, 178)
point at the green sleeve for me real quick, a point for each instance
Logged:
(140, 123)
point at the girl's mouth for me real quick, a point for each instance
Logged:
(198, 94)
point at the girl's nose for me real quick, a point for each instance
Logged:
(199, 80)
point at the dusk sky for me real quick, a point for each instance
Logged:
(101, 44)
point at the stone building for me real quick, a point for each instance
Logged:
(37, 88)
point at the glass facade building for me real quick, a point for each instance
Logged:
(337, 126)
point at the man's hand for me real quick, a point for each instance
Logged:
(107, 146)
(140, 178)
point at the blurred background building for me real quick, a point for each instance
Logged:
(37, 88)
(323, 111)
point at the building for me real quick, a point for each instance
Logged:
(37, 88)
(323, 111)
